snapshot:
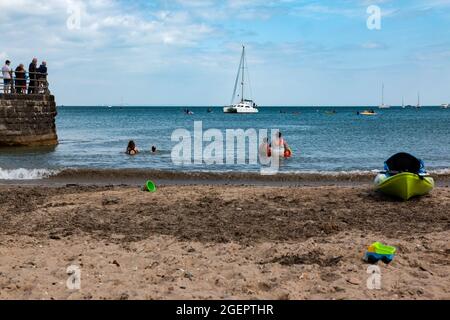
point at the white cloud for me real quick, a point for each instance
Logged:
(102, 21)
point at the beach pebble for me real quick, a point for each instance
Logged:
(219, 282)
(115, 263)
(188, 275)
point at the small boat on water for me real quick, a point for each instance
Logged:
(405, 177)
(244, 105)
(419, 105)
(383, 105)
(445, 106)
(368, 113)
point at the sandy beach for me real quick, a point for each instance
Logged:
(219, 242)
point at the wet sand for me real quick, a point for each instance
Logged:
(137, 177)
(220, 242)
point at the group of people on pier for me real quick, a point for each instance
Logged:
(21, 81)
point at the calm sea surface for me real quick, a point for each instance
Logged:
(96, 137)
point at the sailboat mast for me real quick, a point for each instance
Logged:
(243, 72)
(382, 95)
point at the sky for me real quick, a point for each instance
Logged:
(187, 52)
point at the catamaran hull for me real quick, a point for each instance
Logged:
(239, 110)
(404, 185)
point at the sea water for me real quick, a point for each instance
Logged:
(96, 138)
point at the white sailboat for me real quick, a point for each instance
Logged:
(383, 105)
(418, 101)
(244, 105)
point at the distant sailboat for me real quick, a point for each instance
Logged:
(418, 101)
(383, 105)
(245, 105)
(403, 103)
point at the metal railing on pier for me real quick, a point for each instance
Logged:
(23, 82)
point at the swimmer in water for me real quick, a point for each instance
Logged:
(131, 149)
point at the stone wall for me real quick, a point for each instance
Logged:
(27, 120)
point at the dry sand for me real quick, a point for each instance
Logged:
(219, 242)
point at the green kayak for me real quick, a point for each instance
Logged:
(404, 185)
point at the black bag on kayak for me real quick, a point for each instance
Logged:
(404, 162)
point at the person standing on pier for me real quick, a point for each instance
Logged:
(21, 80)
(42, 78)
(32, 87)
(7, 77)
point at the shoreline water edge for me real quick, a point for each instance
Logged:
(140, 176)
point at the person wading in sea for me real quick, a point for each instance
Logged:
(131, 149)
(279, 145)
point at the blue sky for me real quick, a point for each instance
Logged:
(186, 52)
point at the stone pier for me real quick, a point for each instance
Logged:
(27, 120)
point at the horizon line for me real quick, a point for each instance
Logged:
(217, 106)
